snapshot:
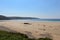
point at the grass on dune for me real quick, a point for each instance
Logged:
(16, 36)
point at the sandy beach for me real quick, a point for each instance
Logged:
(33, 29)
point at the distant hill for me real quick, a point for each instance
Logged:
(11, 18)
(3, 17)
(22, 18)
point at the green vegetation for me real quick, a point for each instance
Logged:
(16, 36)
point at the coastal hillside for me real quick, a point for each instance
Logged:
(11, 18)
(4, 17)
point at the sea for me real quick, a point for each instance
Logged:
(34, 20)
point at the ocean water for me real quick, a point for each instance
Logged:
(35, 20)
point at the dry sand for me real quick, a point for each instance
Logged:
(33, 29)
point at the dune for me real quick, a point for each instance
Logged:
(33, 29)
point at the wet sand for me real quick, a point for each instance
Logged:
(33, 29)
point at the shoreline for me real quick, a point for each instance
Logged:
(29, 21)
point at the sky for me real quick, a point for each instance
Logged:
(31, 8)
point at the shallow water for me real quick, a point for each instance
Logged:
(34, 20)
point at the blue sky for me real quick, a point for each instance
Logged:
(30, 8)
